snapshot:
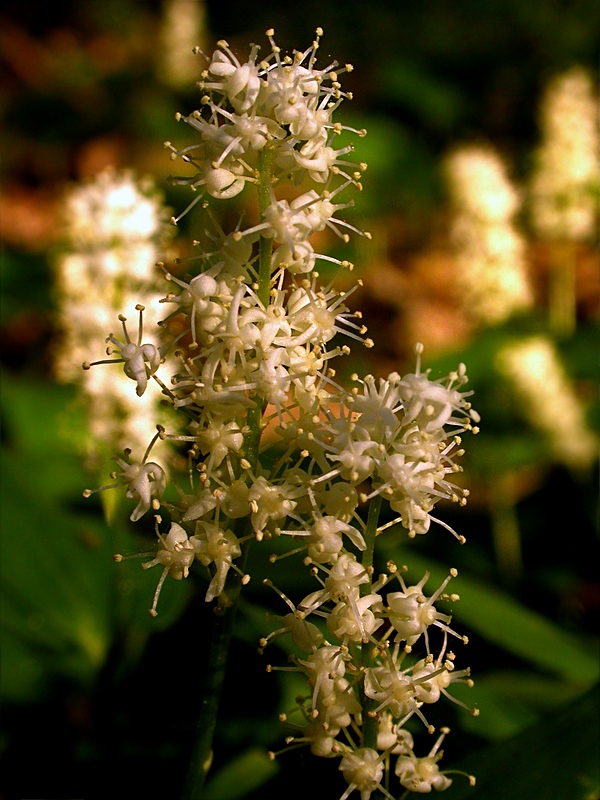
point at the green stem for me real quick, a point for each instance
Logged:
(563, 318)
(201, 756)
(370, 724)
(505, 528)
(265, 245)
(264, 287)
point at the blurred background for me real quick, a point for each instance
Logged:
(481, 196)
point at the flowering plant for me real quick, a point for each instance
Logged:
(257, 332)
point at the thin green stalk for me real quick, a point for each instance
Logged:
(265, 244)
(562, 300)
(264, 287)
(201, 756)
(505, 528)
(369, 722)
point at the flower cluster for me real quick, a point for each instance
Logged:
(258, 334)
(115, 228)
(183, 24)
(363, 684)
(490, 251)
(564, 189)
(548, 400)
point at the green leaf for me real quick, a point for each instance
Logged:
(36, 451)
(26, 280)
(412, 86)
(64, 600)
(500, 619)
(511, 700)
(57, 582)
(240, 776)
(556, 759)
(22, 674)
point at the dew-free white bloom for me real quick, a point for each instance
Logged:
(258, 330)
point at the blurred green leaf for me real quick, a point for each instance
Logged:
(501, 619)
(64, 600)
(489, 455)
(23, 674)
(412, 86)
(399, 167)
(32, 412)
(25, 284)
(580, 352)
(56, 587)
(241, 775)
(511, 700)
(554, 760)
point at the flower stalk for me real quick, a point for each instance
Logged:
(259, 332)
(202, 751)
(370, 723)
(562, 301)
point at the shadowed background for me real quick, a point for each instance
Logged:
(98, 697)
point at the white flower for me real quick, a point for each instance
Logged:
(140, 360)
(322, 739)
(378, 406)
(113, 208)
(253, 331)
(145, 481)
(213, 545)
(269, 502)
(392, 689)
(390, 736)
(325, 539)
(340, 706)
(480, 185)
(423, 774)
(239, 82)
(411, 613)
(357, 460)
(219, 439)
(196, 300)
(114, 230)
(305, 635)
(323, 668)
(200, 505)
(176, 554)
(363, 771)
(432, 680)
(431, 404)
(345, 577)
(353, 620)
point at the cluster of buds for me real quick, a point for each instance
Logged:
(258, 333)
